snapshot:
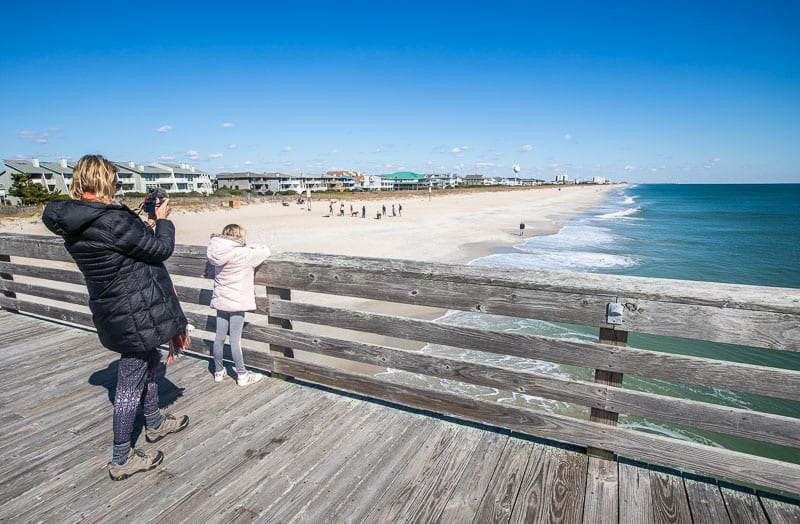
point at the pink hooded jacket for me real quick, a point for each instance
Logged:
(234, 267)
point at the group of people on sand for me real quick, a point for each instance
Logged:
(396, 211)
(134, 304)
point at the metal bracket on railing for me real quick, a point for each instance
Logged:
(614, 313)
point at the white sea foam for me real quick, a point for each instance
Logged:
(561, 260)
(623, 213)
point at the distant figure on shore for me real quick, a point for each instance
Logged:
(341, 209)
(234, 264)
(330, 209)
(521, 228)
(394, 214)
(131, 296)
(363, 211)
(400, 209)
(383, 209)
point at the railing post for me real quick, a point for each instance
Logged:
(613, 337)
(283, 294)
(7, 276)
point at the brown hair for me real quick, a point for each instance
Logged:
(236, 231)
(94, 175)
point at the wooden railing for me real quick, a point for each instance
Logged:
(758, 317)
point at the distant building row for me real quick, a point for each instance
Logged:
(137, 178)
(184, 178)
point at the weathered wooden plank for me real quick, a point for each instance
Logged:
(740, 422)
(720, 295)
(445, 286)
(44, 273)
(379, 477)
(57, 313)
(745, 378)
(553, 487)
(743, 506)
(642, 446)
(635, 504)
(669, 500)
(601, 502)
(501, 494)
(70, 297)
(780, 512)
(432, 490)
(470, 488)
(705, 502)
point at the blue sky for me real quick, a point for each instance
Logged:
(637, 91)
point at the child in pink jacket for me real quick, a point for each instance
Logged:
(234, 266)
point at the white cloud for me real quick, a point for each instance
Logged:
(166, 158)
(214, 156)
(526, 148)
(629, 167)
(232, 146)
(192, 154)
(227, 124)
(459, 149)
(485, 165)
(39, 138)
(568, 136)
(287, 149)
(166, 128)
(248, 162)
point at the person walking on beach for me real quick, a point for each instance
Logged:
(383, 208)
(521, 228)
(131, 297)
(400, 209)
(363, 211)
(394, 214)
(330, 209)
(234, 265)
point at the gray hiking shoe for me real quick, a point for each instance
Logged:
(170, 425)
(138, 461)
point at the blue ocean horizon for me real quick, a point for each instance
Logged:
(737, 233)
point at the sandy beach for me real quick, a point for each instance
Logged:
(455, 227)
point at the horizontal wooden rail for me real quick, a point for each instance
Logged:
(770, 317)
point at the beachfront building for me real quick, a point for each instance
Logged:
(562, 178)
(377, 183)
(279, 182)
(52, 175)
(174, 178)
(444, 180)
(179, 178)
(473, 180)
(407, 180)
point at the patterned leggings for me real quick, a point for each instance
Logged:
(136, 375)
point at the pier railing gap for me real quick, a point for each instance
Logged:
(281, 333)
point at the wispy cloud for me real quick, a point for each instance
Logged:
(629, 167)
(248, 162)
(287, 149)
(227, 124)
(35, 136)
(568, 136)
(459, 149)
(527, 148)
(232, 146)
(166, 158)
(166, 128)
(192, 154)
(214, 156)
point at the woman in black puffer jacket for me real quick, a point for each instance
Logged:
(131, 296)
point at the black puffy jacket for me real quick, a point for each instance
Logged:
(131, 295)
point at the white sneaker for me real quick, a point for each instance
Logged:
(219, 376)
(248, 378)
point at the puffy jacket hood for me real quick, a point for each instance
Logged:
(222, 248)
(69, 218)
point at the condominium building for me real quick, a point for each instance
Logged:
(136, 178)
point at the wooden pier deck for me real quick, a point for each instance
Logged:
(290, 452)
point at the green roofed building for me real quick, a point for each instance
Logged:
(407, 180)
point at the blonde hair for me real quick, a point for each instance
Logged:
(94, 175)
(236, 231)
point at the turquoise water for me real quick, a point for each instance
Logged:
(744, 234)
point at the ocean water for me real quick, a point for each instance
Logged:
(744, 234)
